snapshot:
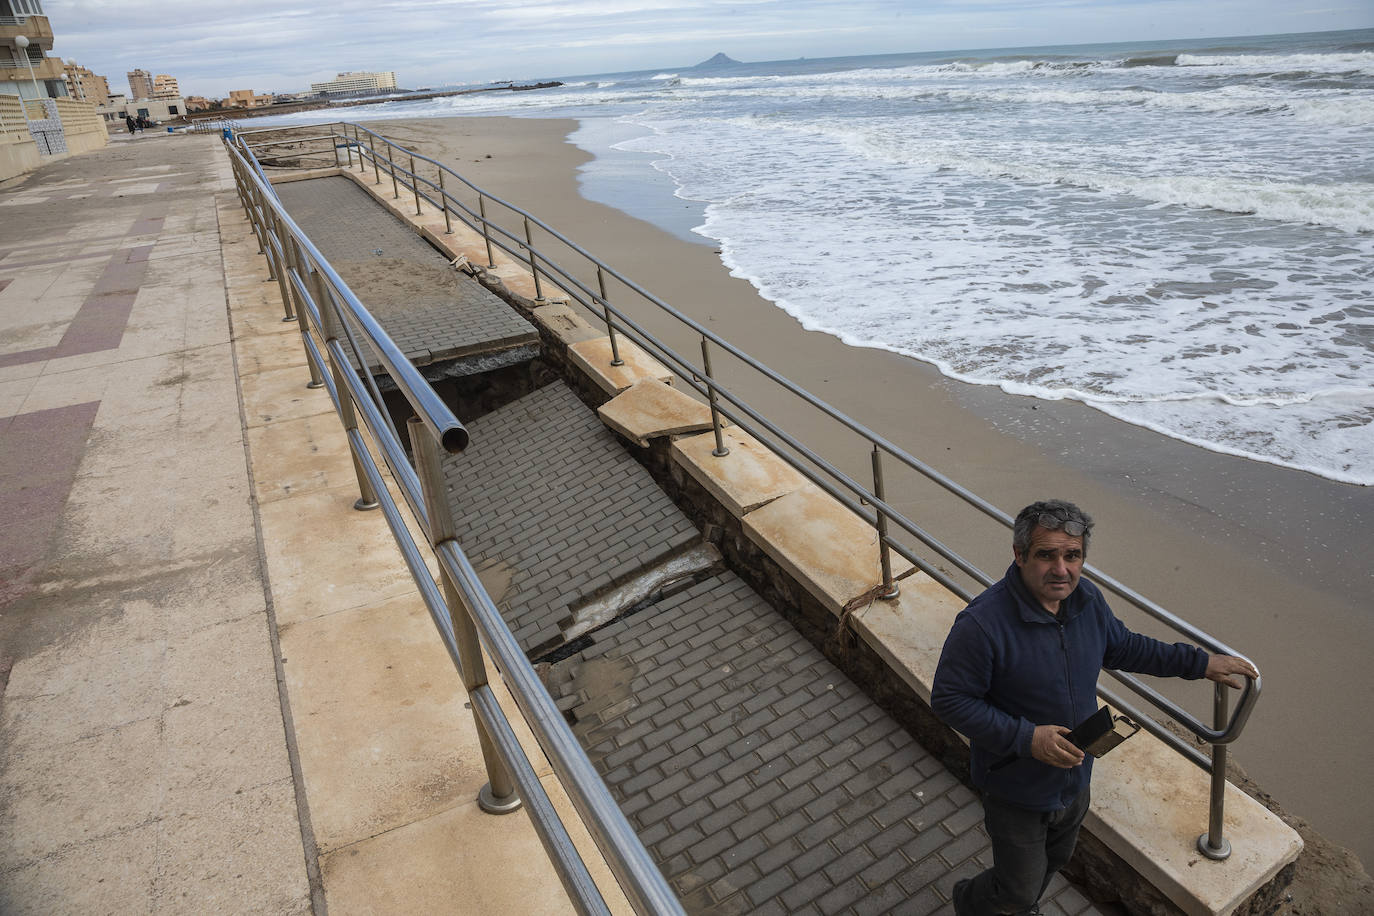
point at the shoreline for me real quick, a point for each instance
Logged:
(1240, 543)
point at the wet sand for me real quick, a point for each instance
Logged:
(1273, 562)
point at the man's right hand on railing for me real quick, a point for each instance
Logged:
(1220, 668)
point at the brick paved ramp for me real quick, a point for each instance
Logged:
(434, 313)
(759, 776)
(552, 510)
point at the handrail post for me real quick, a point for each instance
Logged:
(720, 451)
(302, 312)
(395, 188)
(376, 169)
(367, 498)
(890, 588)
(415, 185)
(498, 796)
(283, 269)
(443, 197)
(357, 141)
(257, 222)
(1212, 844)
(333, 141)
(333, 331)
(606, 314)
(486, 231)
(534, 265)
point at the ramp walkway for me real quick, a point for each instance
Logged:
(445, 326)
(759, 776)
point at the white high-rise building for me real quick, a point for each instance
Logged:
(357, 81)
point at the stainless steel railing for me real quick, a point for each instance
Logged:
(511, 230)
(338, 333)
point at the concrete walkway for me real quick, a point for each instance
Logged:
(221, 693)
(143, 762)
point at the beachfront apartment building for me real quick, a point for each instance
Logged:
(85, 85)
(165, 87)
(356, 81)
(140, 84)
(246, 98)
(25, 38)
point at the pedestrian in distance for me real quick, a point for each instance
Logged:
(1019, 669)
(129, 122)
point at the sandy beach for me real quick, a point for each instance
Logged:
(1272, 561)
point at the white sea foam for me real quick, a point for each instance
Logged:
(1359, 62)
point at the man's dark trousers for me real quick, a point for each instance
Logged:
(1028, 848)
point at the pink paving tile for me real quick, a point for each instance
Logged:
(99, 323)
(147, 226)
(39, 456)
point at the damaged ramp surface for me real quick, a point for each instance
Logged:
(444, 321)
(759, 776)
(553, 512)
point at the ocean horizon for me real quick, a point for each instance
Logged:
(1179, 234)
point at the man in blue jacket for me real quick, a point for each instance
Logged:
(1019, 670)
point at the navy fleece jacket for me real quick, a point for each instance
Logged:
(1009, 665)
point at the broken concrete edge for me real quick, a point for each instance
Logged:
(910, 649)
(650, 410)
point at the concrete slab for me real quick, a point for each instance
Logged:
(593, 357)
(381, 718)
(261, 352)
(356, 566)
(281, 394)
(827, 548)
(300, 455)
(749, 477)
(1149, 805)
(242, 857)
(460, 860)
(563, 321)
(909, 631)
(650, 410)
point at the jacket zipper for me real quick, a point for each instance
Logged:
(1068, 678)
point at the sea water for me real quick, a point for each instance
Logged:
(1179, 234)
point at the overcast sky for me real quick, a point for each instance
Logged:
(213, 46)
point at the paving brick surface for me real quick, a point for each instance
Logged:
(546, 497)
(432, 312)
(784, 788)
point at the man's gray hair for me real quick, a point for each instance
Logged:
(1052, 515)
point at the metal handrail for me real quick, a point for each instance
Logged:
(867, 502)
(320, 301)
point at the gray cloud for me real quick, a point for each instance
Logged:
(214, 46)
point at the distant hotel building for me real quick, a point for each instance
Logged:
(356, 82)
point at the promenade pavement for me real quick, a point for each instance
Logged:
(220, 691)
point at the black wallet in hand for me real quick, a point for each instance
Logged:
(1098, 734)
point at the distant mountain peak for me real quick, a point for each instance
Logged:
(720, 60)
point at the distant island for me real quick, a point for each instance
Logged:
(720, 60)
